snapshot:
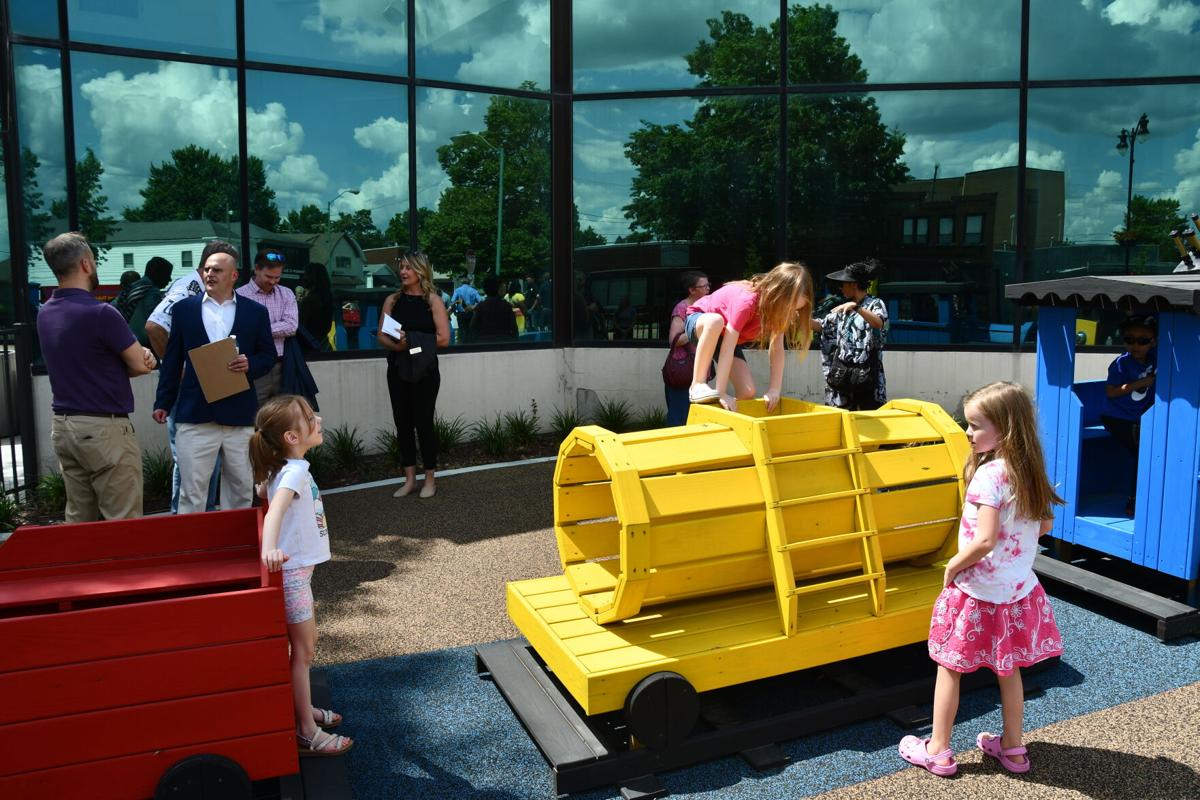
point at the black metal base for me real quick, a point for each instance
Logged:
(585, 752)
(1172, 619)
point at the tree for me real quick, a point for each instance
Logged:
(94, 222)
(360, 227)
(198, 184)
(37, 223)
(397, 229)
(1151, 222)
(307, 219)
(714, 177)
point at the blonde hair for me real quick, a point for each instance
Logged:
(280, 414)
(419, 263)
(778, 293)
(1009, 408)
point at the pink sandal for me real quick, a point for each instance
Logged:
(991, 746)
(914, 750)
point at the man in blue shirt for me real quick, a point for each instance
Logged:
(462, 304)
(1129, 390)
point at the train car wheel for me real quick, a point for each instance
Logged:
(204, 777)
(662, 710)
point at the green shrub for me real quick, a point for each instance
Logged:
(450, 432)
(522, 425)
(614, 415)
(563, 422)
(50, 496)
(346, 447)
(321, 464)
(157, 468)
(388, 444)
(10, 513)
(492, 436)
(651, 417)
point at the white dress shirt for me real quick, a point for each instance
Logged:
(218, 317)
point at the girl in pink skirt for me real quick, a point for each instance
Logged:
(992, 612)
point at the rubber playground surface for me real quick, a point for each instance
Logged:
(414, 584)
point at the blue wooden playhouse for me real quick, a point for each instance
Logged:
(1090, 469)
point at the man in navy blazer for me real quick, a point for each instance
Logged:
(205, 429)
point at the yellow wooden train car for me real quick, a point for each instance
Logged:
(743, 545)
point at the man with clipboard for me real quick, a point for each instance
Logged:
(216, 348)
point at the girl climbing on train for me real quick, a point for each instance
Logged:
(768, 308)
(295, 539)
(993, 612)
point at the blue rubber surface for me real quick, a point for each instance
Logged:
(427, 727)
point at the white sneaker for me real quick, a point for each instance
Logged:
(703, 393)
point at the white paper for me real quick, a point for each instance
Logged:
(390, 326)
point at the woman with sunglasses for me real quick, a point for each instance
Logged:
(1129, 390)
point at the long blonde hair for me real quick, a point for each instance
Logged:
(1009, 408)
(280, 414)
(419, 263)
(778, 293)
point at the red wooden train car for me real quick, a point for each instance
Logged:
(131, 646)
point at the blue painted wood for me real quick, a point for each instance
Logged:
(1055, 375)
(1106, 538)
(1179, 352)
(1070, 488)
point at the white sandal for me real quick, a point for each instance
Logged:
(322, 744)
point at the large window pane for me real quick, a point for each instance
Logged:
(632, 44)
(43, 168)
(848, 41)
(335, 154)
(337, 34)
(33, 19)
(926, 183)
(179, 26)
(1112, 39)
(487, 42)
(663, 187)
(162, 181)
(1084, 233)
(483, 187)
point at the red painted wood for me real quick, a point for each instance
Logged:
(119, 682)
(265, 756)
(243, 551)
(97, 735)
(178, 623)
(40, 546)
(235, 569)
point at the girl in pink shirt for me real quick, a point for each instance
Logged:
(765, 309)
(993, 612)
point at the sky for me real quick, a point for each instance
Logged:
(320, 136)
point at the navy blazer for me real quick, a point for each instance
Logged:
(177, 379)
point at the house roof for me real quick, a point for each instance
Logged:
(1177, 292)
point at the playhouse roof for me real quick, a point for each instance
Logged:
(1179, 292)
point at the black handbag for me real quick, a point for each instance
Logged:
(677, 369)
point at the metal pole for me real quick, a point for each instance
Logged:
(499, 207)
(1129, 198)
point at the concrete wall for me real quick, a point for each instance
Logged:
(485, 384)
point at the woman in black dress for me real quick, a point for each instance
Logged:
(316, 306)
(412, 376)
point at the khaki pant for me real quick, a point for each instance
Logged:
(270, 384)
(196, 446)
(101, 466)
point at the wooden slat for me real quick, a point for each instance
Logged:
(49, 743)
(835, 584)
(909, 465)
(821, 498)
(578, 469)
(588, 501)
(593, 576)
(702, 494)
(843, 451)
(910, 506)
(735, 573)
(183, 622)
(715, 449)
(806, 433)
(825, 541)
(894, 430)
(716, 537)
(589, 540)
(113, 683)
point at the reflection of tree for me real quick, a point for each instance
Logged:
(360, 227)
(306, 219)
(1150, 222)
(198, 184)
(94, 222)
(37, 223)
(714, 177)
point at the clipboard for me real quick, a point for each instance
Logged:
(390, 326)
(211, 363)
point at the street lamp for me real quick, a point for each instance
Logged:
(499, 190)
(329, 206)
(1128, 141)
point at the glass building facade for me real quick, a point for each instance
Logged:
(581, 156)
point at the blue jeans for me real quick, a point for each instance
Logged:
(214, 483)
(677, 405)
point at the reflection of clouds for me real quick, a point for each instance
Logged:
(41, 119)
(385, 134)
(1093, 217)
(368, 26)
(298, 180)
(1166, 16)
(1053, 160)
(509, 38)
(1126, 37)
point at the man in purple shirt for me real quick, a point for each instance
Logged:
(280, 302)
(90, 355)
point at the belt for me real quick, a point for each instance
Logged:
(100, 414)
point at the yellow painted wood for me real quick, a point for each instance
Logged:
(587, 501)
(894, 430)
(909, 465)
(581, 542)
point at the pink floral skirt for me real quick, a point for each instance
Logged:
(966, 634)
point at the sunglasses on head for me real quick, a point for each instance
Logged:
(1142, 340)
(276, 257)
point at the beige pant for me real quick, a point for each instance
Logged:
(196, 447)
(270, 384)
(101, 466)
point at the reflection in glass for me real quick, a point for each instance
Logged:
(1084, 231)
(1112, 40)
(660, 191)
(335, 34)
(34, 19)
(335, 154)
(486, 42)
(926, 183)
(630, 44)
(179, 26)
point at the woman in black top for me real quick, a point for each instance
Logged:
(316, 306)
(413, 377)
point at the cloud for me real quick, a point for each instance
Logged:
(1169, 17)
(1188, 160)
(373, 27)
(1093, 217)
(297, 181)
(1053, 160)
(41, 110)
(385, 134)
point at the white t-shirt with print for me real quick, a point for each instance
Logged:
(1004, 575)
(303, 534)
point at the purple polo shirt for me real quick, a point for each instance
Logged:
(82, 340)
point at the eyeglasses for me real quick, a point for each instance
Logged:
(273, 256)
(1142, 340)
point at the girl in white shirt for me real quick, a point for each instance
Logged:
(295, 539)
(993, 612)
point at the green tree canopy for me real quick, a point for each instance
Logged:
(306, 219)
(1151, 222)
(37, 224)
(360, 227)
(198, 184)
(94, 222)
(714, 177)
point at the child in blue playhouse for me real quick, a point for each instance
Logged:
(1129, 390)
(993, 612)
